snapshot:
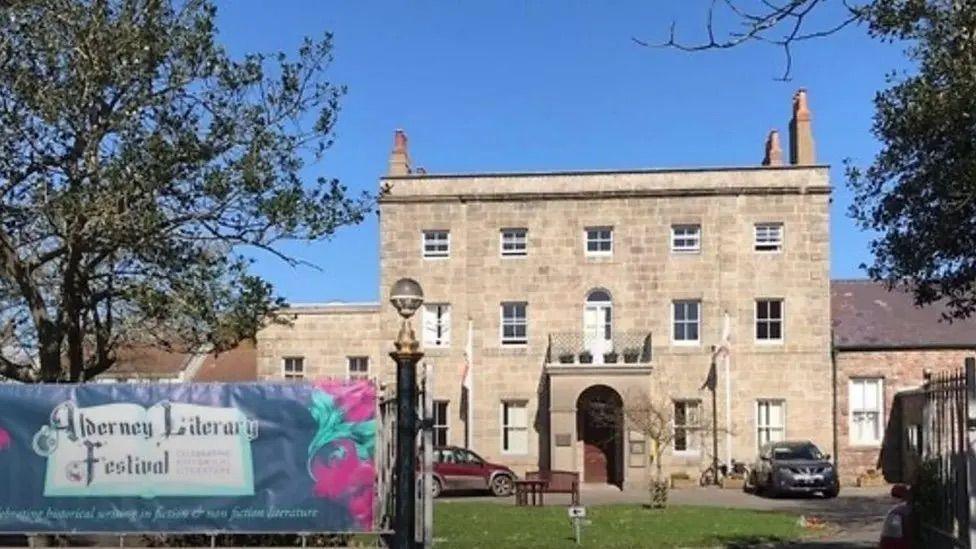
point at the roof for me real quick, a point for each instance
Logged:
(148, 361)
(237, 364)
(561, 173)
(866, 316)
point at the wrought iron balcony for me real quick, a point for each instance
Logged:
(566, 348)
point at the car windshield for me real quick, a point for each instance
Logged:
(797, 451)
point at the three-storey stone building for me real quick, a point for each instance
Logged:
(561, 290)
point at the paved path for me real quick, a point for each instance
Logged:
(854, 518)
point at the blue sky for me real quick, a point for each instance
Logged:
(544, 85)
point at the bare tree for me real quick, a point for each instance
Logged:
(780, 24)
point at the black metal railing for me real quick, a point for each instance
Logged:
(576, 348)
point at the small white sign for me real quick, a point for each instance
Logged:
(577, 511)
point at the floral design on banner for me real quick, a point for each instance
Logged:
(5, 440)
(340, 456)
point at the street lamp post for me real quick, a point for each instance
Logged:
(406, 296)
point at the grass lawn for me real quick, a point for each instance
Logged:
(461, 524)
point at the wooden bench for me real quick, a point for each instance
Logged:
(557, 482)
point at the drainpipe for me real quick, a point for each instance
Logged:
(833, 404)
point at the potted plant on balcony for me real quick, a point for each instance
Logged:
(566, 358)
(586, 357)
(610, 358)
(631, 355)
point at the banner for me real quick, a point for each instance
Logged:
(183, 458)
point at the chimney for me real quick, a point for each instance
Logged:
(774, 153)
(801, 135)
(399, 158)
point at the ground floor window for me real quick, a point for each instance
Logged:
(440, 423)
(515, 427)
(866, 404)
(293, 367)
(770, 421)
(687, 424)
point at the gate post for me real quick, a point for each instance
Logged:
(406, 296)
(970, 450)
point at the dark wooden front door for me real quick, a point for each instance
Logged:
(594, 463)
(601, 435)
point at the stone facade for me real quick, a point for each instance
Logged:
(899, 370)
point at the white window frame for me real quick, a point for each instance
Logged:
(757, 320)
(350, 374)
(760, 427)
(505, 428)
(435, 254)
(674, 323)
(764, 239)
(445, 338)
(586, 241)
(444, 425)
(513, 236)
(513, 341)
(692, 430)
(293, 373)
(880, 411)
(695, 238)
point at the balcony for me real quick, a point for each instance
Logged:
(574, 351)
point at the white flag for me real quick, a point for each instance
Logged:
(468, 357)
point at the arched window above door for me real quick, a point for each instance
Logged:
(598, 295)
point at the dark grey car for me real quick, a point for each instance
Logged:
(793, 467)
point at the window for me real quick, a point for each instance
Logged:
(770, 421)
(866, 402)
(440, 423)
(437, 325)
(769, 320)
(437, 244)
(514, 324)
(687, 321)
(294, 367)
(685, 238)
(599, 240)
(514, 242)
(769, 237)
(687, 423)
(515, 428)
(357, 367)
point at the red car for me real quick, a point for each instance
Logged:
(461, 469)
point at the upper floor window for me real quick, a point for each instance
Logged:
(769, 237)
(437, 244)
(514, 326)
(514, 242)
(437, 325)
(687, 322)
(440, 423)
(867, 411)
(293, 367)
(357, 367)
(685, 238)
(599, 240)
(769, 320)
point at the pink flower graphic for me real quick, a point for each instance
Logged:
(5, 440)
(345, 478)
(357, 399)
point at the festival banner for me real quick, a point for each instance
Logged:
(185, 458)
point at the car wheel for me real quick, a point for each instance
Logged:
(501, 486)
(771, 491)
(436, 488)
(831, 492)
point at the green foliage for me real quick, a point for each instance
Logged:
(490, 525)
(919, 193)
(927, 492)
(138, 164)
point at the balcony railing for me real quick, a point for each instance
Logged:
(576, 348)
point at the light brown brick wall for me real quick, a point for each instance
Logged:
(900, 370)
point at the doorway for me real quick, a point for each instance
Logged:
(599, 423)
(598, 324)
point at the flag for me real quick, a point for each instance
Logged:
(712, 379)
(466, 384)
(723, 349)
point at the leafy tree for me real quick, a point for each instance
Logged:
(138, 163)
(919, 193)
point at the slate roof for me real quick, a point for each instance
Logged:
(148, 362)
(865, 315)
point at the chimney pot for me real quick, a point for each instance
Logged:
(802, 149)
(774, 153)
(399, 157)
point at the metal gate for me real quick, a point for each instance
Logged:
(947, 473)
